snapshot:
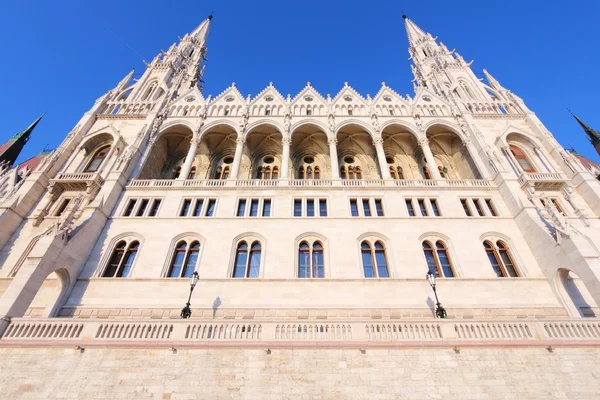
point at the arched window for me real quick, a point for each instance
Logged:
(358, 173)
(97, 159)
(466, 89)
(148, 91)
(438, 260)
(374, 260)
(247, 263)
(343, 173)
(400, 172)
(121, 260)
(309, 172)
(184, 260)
(393, 173)
(301, 173)
(176, 173)
(223, 173)
(442, 172)
(275, 174)
(500, 259)
(310, 260)
(426, 173)
(267, 173)
(522, 159)
(350, 172)
(192, 173)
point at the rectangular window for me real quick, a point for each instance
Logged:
(310, 208)
(366, 207)
(198, 208)
(185, 208)
(63, 206)
(323, 207)
(491, 207)
(129, 208)
(353, 208)
(267, 112)
(266, 208)
(308, 111)
(557, 205)
(466, 207)
(379, 207)
(297, 207)
(142, 209)
(422, 207)
(409, 207)
(478, 207)
(210, 211)
(254, 207)
(435, 208)
(154, 209)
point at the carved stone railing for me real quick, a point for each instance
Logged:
(447, 332)
(543, 180)
(287, 184)
(77, 181)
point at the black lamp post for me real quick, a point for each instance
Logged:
(440, 311)
(186, 312)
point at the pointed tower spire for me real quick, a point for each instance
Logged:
(592, 134)
(493, 81)
(9, 151)
(201, 31)
(123, 84)
(414, 33)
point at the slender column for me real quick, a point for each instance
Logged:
(335, 168)
(237, 159)
(544, 159)
(513, 160)
(285, 158)
(483, 171)
(189, 158)
(385, 171)
(433, 170)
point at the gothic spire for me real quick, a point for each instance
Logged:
(494, 84)
(9, 151)
(592, 134)
(414, 33)
(201, 31)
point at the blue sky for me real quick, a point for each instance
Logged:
(60, 56)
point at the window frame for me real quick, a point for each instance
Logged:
(372, 245)
(310, 242)
(193, 205)
(432, 242)
(128, 243)
(260, 208)
(90, 159)
(495, 250)
(189, 242)
(519, 154)
(250, 241)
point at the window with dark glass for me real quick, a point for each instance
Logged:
(366, 207)
(491, 207)
(198, 208)
(185, 208)
(500, 259)
(254, 208)
(154, 209)
(478, 207)
(184, 260)
(522, 159)
(121, 260)
(247, 263)
(310, 260)
(97, 159)
(374, 260)
(409, 207)
(465, 206)
(379, 207)
(438, 261)
(323, 207)
(130, 206)
(63, 206)
(142, 209)
(434, 207)
(210, 211)
(354, 208)
(266, 208)
(310, 208)
(297, 207)
(422, 207)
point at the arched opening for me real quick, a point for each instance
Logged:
(402, 153)
(310, 153)
(93, 155)
(451, 156)
(50, 296)
(575, 296)
(264, 148)
(216, 153)
(168, 154)
(356, 153)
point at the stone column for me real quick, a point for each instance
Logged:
(483, 171)
(335, 168)
(544, 159)
(513, 160)
(237, 159)
(189, 158)
(433, 170)
(385, 171)
(285, 158)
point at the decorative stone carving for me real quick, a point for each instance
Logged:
(331, 123)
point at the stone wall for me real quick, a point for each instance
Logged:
(411, 373)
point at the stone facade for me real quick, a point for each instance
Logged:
(316, 212)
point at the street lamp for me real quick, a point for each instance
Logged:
(186, 312)
(440, 311)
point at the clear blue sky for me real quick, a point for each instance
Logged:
(60, 56)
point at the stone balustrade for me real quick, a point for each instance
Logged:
(543, 180)
(451, 332)
(174, 184)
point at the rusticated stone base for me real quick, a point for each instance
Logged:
(428, 373)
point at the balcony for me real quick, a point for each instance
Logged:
(294, 333)
(78, 181)
(286, 184)
(543, 180)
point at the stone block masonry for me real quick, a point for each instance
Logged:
(425, 373)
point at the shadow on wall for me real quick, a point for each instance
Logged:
(216, 305)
